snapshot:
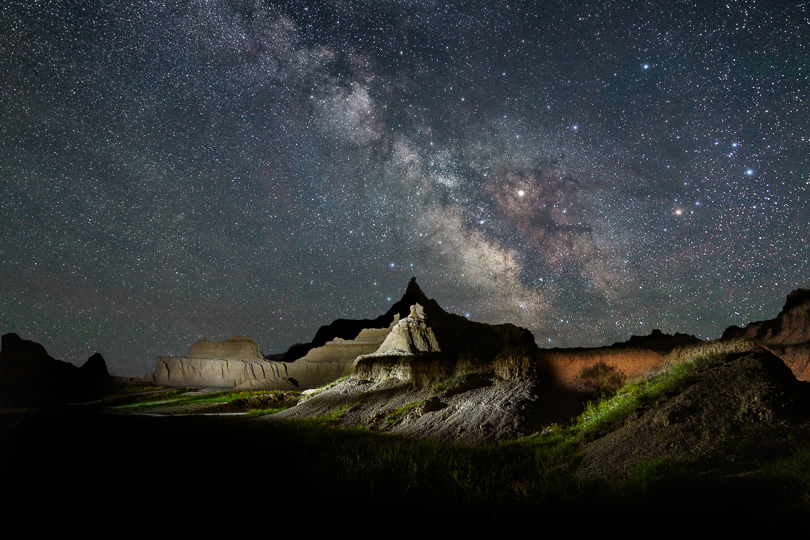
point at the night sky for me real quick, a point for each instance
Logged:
(587, 170)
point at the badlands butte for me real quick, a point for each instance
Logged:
(418, 371)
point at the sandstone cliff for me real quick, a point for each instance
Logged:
(787, 335)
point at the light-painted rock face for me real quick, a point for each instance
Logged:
(218, 372)
(346, 350)
(336, 358)
(233, 348)
(409, 336)
(233, 363)
(237, 363)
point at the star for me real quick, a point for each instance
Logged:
(265, 168)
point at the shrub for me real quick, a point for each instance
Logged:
(602, 378)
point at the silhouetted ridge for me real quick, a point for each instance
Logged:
(657, 341)
(453, 332)
(29, 375)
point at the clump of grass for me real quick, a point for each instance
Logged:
(602, 377)
(327, 386)
(444, 384)
(334, 415)
(396, 416)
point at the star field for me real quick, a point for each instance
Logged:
(587, 170)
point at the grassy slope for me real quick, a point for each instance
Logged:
(537, 472)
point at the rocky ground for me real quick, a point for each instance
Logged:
(441, 398)
(737, 401)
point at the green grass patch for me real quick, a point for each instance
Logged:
(177, 397)
(614, 407)
(444, 384)
(396, 416)
(317, 391)
(253, 413)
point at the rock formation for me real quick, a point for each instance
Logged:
(787, 335)
(233, 348)
(657, 341)
(336, 358)
(409, 336)
(233, 363)
(237, 363)
(440, 395)
(29, 375)
(453, 332)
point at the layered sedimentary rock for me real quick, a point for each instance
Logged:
(336, 358)
(787, 335)
(217, 372)
(409, 336)
(235, 362)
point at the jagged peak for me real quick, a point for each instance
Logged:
(796, 298)
(413, 288)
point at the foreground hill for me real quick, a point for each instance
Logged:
(717, 408)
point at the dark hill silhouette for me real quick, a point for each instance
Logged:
(657, 341)
(29, 375)
(453, 332)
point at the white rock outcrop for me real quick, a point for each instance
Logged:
(409, 336)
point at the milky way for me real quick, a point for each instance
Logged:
(587, 170)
